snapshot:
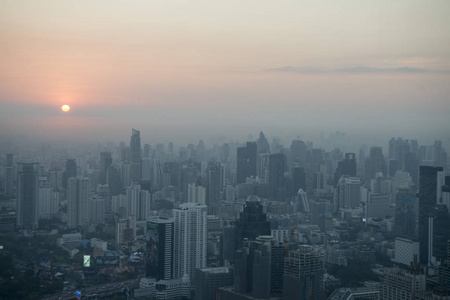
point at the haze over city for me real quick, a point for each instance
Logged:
(184, 71)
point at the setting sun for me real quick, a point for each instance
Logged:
(65, 108)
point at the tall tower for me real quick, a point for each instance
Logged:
(70, 171)
(78, 204)
(105, 162)
(428, 186)
(252, 222)
(190, 239)
(276, 175)
(135, 155)
(246, 162)
(27, 195)
(9, 176)
(160, 248)
(298, 153)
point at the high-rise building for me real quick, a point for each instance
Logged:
(78, 202)
(246, 162)
(348, 193)
(209, 279)
(276, 176)
(252, 222)
(374, 164)
(303, 274)
(298, 153)
(262, 144)
(135, 155)
(196, 194)
(160, 248)
(427, 200)
(27, 195)
(48, 202)
(133, 200)
(346, 167)
(190, 239)
(215, 183)
(399, 284)
(405, 213)
(321, 214)
(105, 162)
(9, 177)
(69, 171)
(298, 179)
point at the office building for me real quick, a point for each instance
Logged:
(196, 194)
(246, 162)
(210, 279)
(27, 195)
(428, 179)
(160, 248)
(346, 167)
(298, 153)
(9, 177)
(276, 177)
(135, 155)
(303, 275)
(252, 222)
(69, 171)
(78, 202)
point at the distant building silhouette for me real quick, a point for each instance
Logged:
(78, 202)
(277, 187)
(298, 153)
(246, 162)
(135, 155)
(427, 201)
(346, 167)
(105, 162)
(69, 171)
(9, 177)
(27, 195)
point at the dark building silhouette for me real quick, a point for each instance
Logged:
(105, 162)
(246, 162)
(427, 201)
(209, 279)
(374, 164)
(135, 155)
(262, 144)
(346, 167)
(277, 187)
(441, 232)
(298, 179)
(9, 177)
(298, 153)
(27, 195)
(160, 245)
(321, 214)
(405, 213)
(214, 186)
(69, 171)
(259, 268)
(114, 181)
(252, 222)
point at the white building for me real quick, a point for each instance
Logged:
(190, 239)
(48, 203)
(196, 194)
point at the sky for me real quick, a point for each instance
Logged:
(190, 70)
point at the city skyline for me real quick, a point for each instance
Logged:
(188, 71)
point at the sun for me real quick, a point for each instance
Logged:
(65, 108)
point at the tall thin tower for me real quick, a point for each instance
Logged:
(27, 195)
(78, 204)
(135, 155)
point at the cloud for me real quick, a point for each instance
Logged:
(356, 70)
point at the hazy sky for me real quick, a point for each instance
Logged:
(201, 69)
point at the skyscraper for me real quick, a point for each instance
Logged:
(9, 177)
(276, 176)
(252, 222)
(427, 200)
(105, 162)
(135, 155)
(160, 246)
(27, 195)
(346, 167)
(246, 162)
(298, 153)
(78, 202)
(190, 239)
(69, 171)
